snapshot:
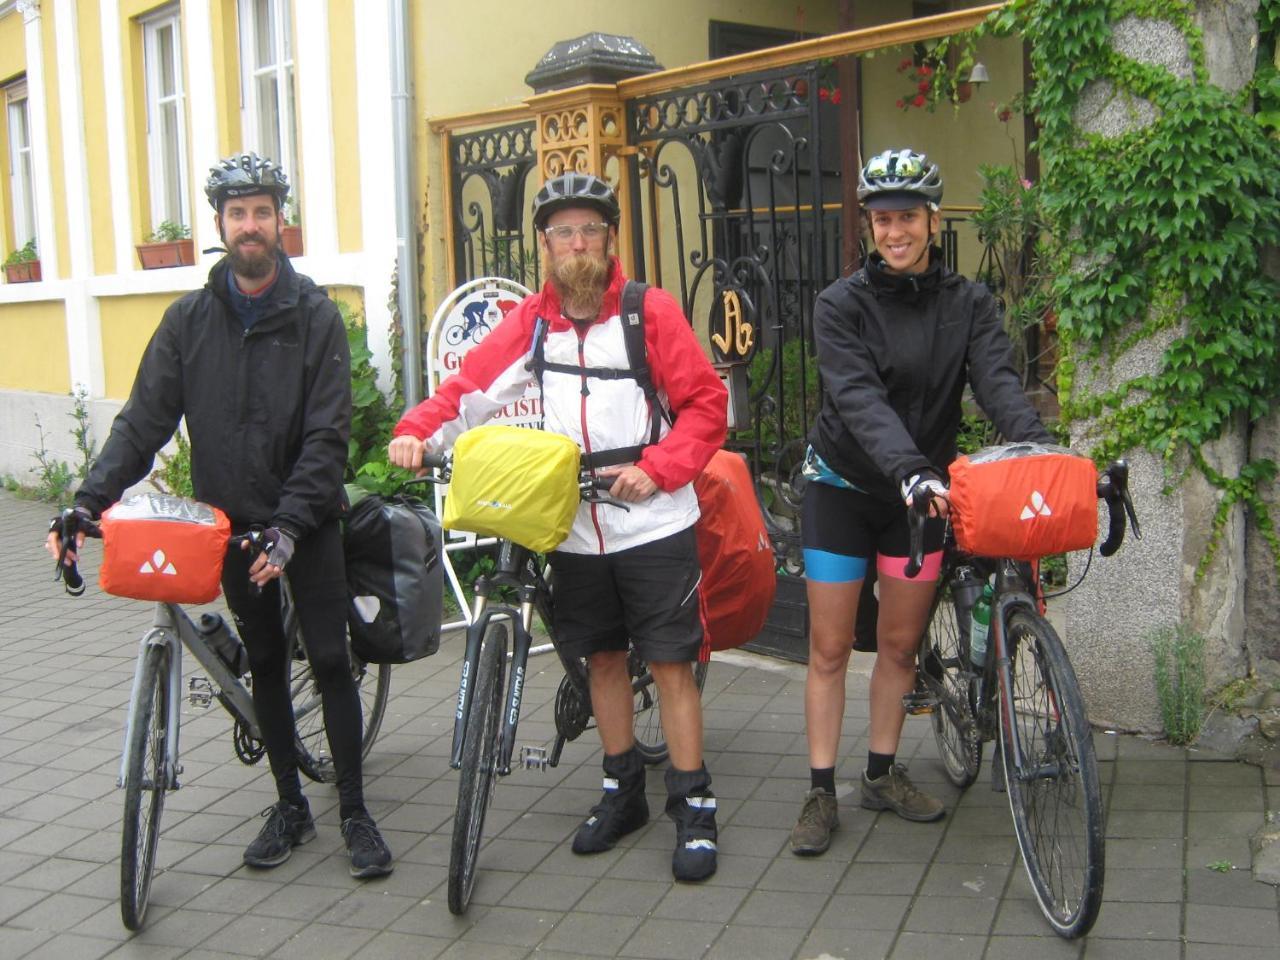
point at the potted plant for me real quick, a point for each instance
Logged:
(168, 245)
(23, 265)
(291, 233)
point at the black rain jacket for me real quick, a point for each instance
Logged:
(268, 409)
(895, 352)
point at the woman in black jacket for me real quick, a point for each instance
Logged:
(897, 343)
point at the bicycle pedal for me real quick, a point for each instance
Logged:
(200, 692)
(534, 758)
(918, 703)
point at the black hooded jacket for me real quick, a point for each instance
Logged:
(895, 352)
(268, 409)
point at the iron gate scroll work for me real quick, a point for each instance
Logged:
(489, 174)
(734, 174)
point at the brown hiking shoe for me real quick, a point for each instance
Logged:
(895, 791)
(819, 817)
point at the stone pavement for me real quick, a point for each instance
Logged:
(887, 888)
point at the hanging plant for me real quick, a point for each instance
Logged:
(938, 71)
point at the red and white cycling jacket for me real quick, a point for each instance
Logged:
(607, 415)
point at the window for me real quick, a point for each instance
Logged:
(266, 55)
(166, 123)
(22, 181)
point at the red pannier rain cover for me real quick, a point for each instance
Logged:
(738, 574)
(160, 547)
(1024, 501)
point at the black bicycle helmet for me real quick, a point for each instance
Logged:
(244, 175)
(575, 190)
(899, 180)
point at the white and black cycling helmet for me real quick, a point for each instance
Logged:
(575, 190)
(244, 175)
(899, 180)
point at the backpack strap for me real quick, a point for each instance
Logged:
(632, 316)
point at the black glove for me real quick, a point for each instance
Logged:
(77, 519)
(277, 544)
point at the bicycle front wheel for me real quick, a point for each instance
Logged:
(373, 682)
(145, 785)
(1052, 776)
(479, 772)
(944, 665)
(651, 742)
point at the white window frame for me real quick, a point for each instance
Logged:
(282, 67)
(152, 25)
(22, 194)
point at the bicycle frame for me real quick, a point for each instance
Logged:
(172, 627)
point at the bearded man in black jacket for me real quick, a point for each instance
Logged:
(257, 361)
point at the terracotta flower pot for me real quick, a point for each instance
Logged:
(171, 253)
(25, 272)
(291, 240)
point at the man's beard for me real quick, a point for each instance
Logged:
(254, 266)
(580, 279)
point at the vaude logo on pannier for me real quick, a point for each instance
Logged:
(158, 563)
(495, 504)
(1035, 507)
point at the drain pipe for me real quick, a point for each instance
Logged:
(402, 101)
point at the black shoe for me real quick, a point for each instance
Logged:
(692, 806)
(287, 826)
(622, 809)
(370, 855)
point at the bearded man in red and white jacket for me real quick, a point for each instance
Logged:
(621, 576)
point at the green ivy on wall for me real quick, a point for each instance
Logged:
(1161, 229)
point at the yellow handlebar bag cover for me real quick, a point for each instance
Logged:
(515, 483)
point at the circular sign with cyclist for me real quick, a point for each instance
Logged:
(462, 320)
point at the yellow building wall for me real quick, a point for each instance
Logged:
(13, 64)
(127, 326)
(353, 297)
(54, 169)
(35, 347)
(226, 70)
(346, 135)
(102, 237)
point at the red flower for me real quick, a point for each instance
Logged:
(823, 93)
(1004, 115)
(835, 95)
(901, 105)
(923, 86)
(904, 64)
(925, 70)
(918, 101)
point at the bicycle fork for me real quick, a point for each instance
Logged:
(520, 620)
(157, 637)
(1025, 769)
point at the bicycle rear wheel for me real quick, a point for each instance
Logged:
(1052, 776)
(479, 772)
(145, 785)
(944, 665)
(651, 742)
(373, 681)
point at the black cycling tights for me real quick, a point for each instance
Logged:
(318, 578)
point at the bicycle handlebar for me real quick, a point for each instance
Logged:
(1113, 487)
(69, 524)
(590, 487)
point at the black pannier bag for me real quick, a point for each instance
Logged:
(395, 580)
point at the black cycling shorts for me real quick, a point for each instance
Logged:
(647, 595)
(843, 530)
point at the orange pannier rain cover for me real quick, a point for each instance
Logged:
(160, 547)
(1024, 501)
(738, 578)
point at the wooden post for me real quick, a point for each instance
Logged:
(580, 129)
(850, 132)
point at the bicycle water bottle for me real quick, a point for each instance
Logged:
(966, 588)
(224, 643)
(979, 629)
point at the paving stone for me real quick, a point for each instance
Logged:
(1138, 921)
(742, 942)
(1232, 925)
(657, 938)
(1023, 948)
(937, 946)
